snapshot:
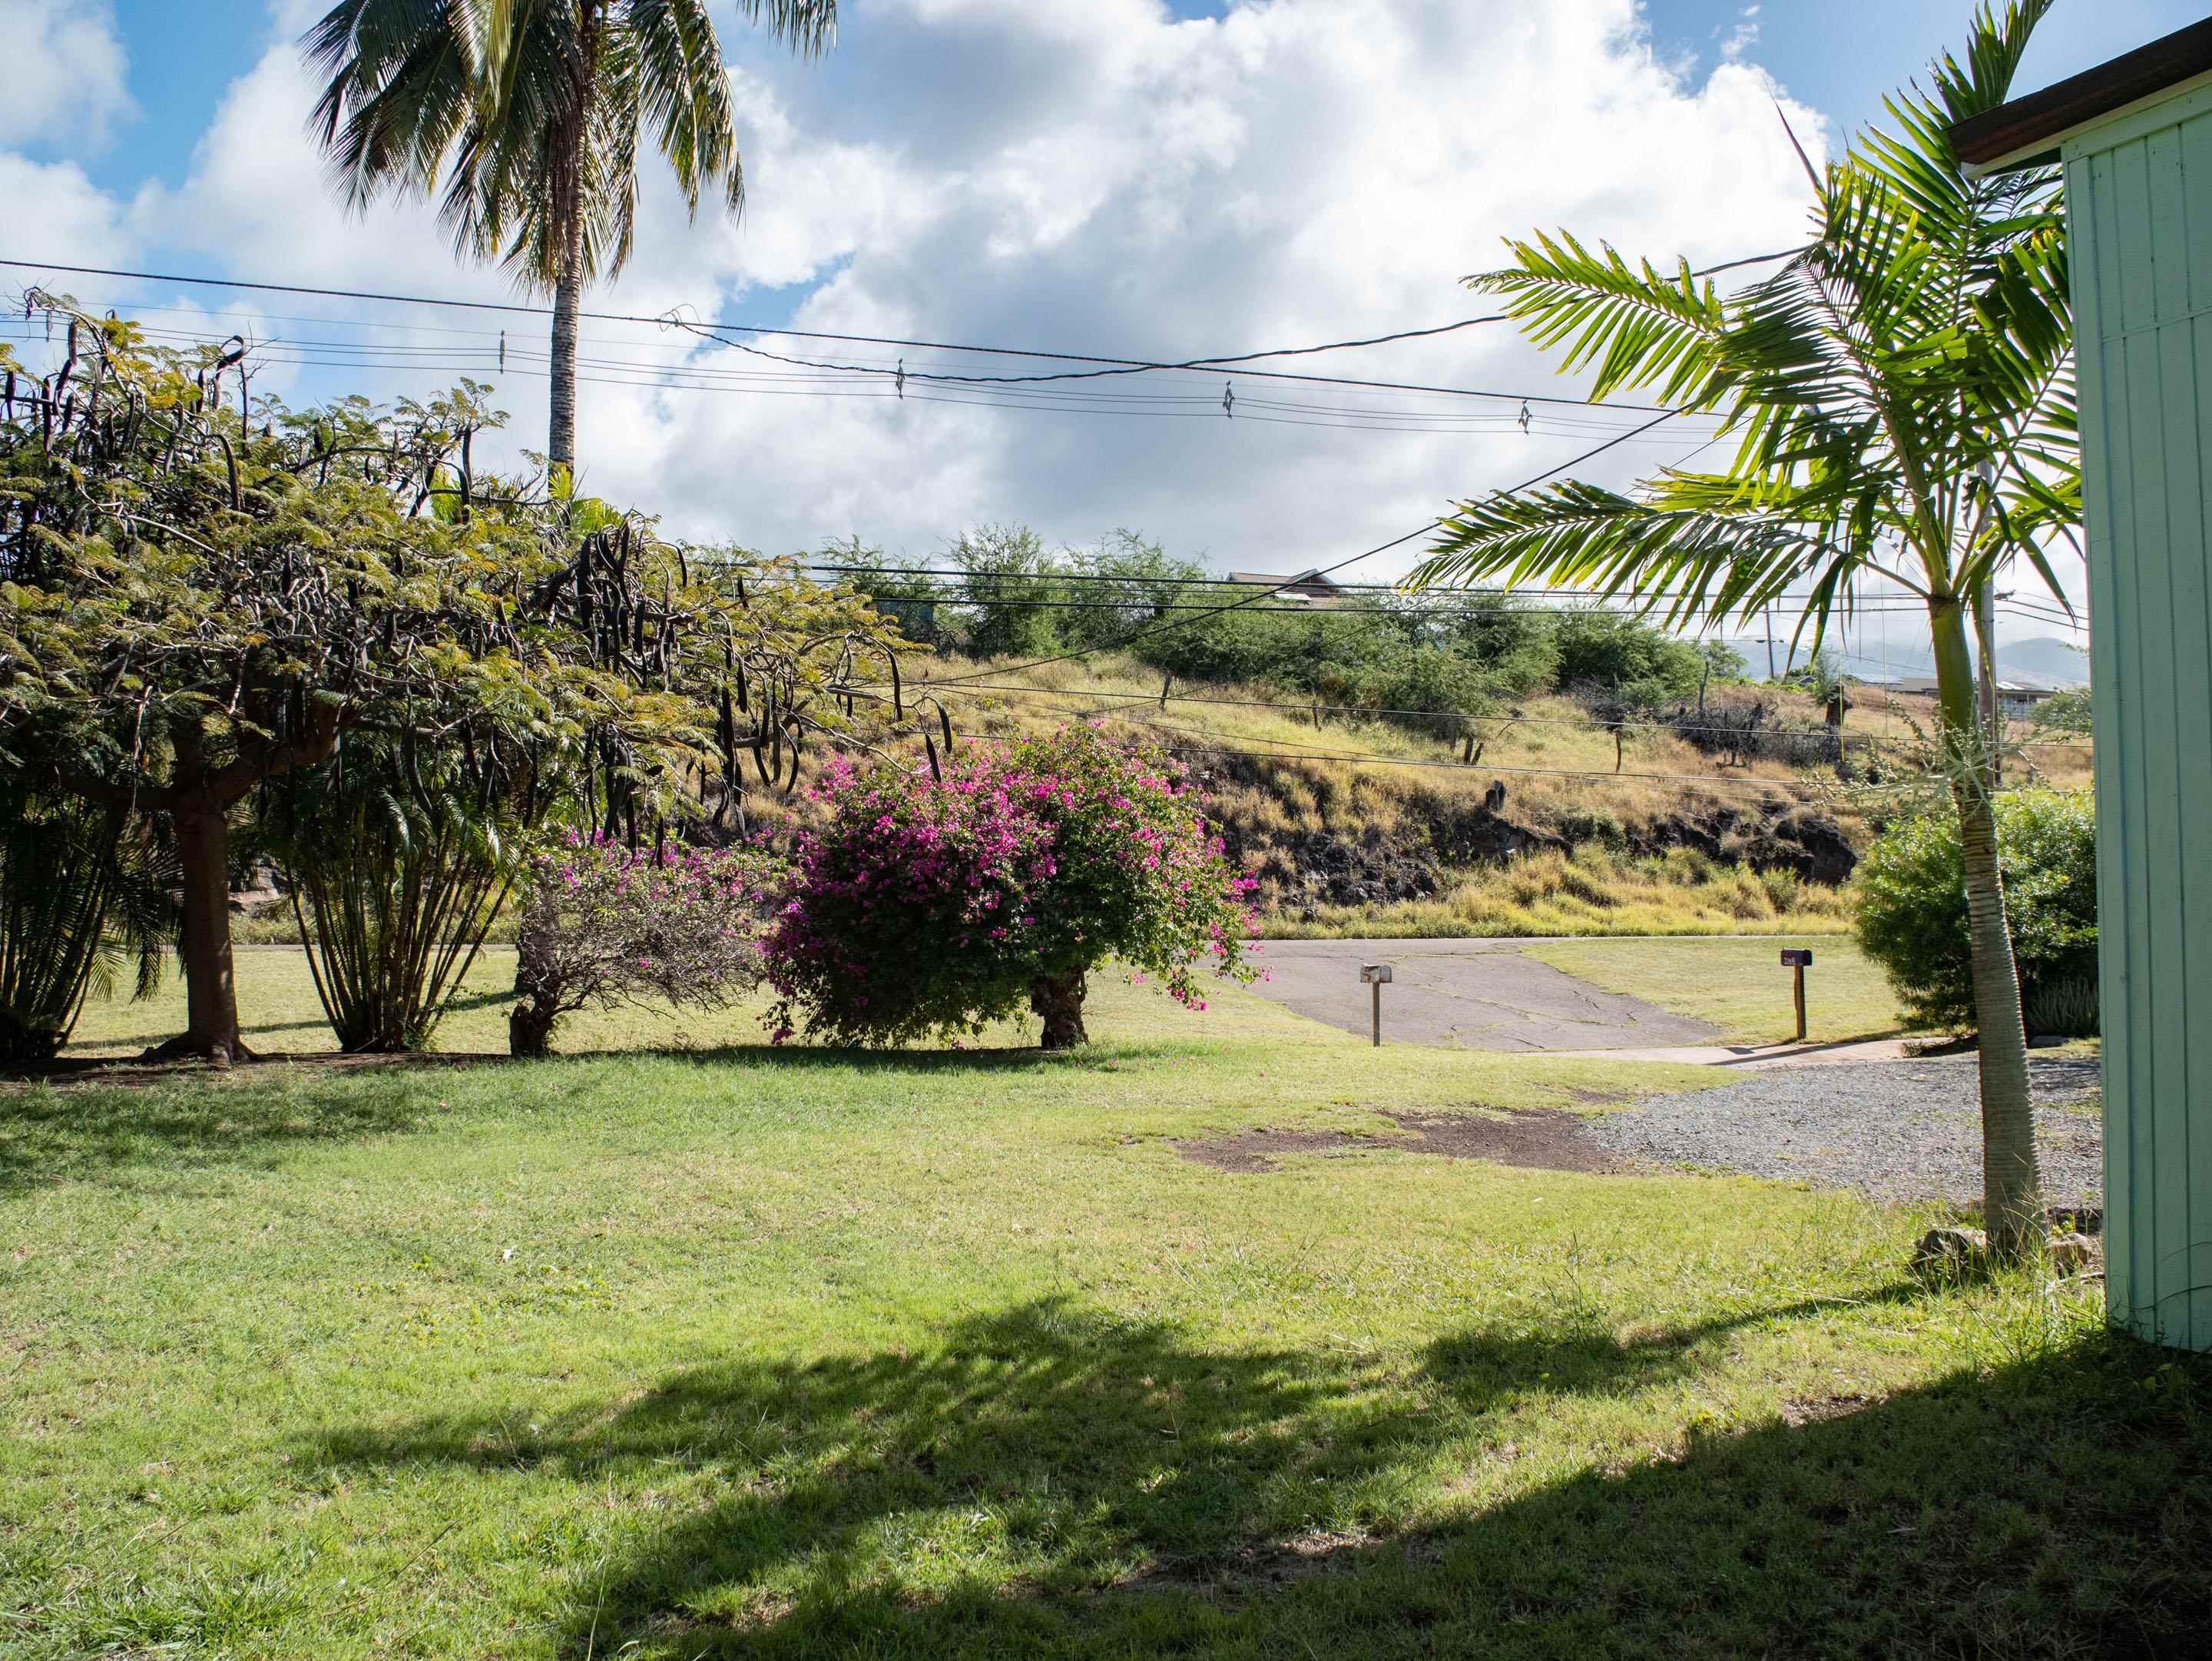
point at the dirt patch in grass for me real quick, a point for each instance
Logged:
(1537, 1139)
(1798, 1411)
(1254, 1570)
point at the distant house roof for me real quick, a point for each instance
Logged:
(1309, 584)
(2021, 685)
(2029, 129)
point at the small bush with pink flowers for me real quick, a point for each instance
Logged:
(604, 925)
(928, 907)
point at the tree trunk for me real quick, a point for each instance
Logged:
(2012, 1176)
(1058, 1000)
(568, 296)
(530, 1030)
(211, 991)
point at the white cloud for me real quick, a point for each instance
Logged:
(54, 209)
(1736, 45)
(1085, 175)
(65, 72)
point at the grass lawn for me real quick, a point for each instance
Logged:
(813, 1353)
(1740, 985)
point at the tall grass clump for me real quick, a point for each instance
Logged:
(1593, 889)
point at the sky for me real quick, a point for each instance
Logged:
(1122, 177)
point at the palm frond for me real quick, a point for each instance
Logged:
(1638, 325)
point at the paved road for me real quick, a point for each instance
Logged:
(1479, 995)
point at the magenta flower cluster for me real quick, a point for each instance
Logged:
(931, 907)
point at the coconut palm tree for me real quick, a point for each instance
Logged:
(531, 111)
(1901, 393)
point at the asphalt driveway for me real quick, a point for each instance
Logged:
(1478, 994)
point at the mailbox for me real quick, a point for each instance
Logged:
(1796, 957)
(1375, 974)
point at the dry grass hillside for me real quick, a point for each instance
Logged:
(1363, 825)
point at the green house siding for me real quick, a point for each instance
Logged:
(2139, 201)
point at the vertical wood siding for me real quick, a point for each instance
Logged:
(2139, 200)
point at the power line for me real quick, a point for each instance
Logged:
(1501, 724)
(1218, 364)
(1879, 606)
(1224, 365)
(1327, 570)
(1005, 603)
(688, 377)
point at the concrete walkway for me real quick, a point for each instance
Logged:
(1477, 995)
(1757, 1057)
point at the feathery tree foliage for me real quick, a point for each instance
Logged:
(1902, 393)
(534, 112)
(193, 608)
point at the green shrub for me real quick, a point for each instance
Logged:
(1643, 664)
(1593, 825)
(1911, 910)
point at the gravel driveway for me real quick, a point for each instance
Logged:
(1897, 1130)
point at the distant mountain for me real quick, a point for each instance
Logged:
(2045, 661)
(2046, 656)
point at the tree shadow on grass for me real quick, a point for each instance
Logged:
(187, 1121)
(98, 1119)
(1048, 1482)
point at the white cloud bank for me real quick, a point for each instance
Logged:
(65, 72)
(1075, 174)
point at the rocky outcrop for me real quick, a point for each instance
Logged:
(1811, 844)
(1316, 867)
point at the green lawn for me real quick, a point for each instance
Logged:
(1741, 986)
(820, 1355)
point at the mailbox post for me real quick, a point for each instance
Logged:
(1798, 960)
(1378, 976)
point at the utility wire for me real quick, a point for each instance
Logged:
(688, 378)
(1222, 365)
(1500, 724)
(1326, 570)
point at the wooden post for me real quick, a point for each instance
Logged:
(1798, 959)
(1376, 975)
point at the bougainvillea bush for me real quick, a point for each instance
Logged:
(929, 906)
(604, 925)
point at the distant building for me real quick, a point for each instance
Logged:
(1308, 587)
(2016, 696)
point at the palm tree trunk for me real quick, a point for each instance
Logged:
(2012, 1176)
(568, 296)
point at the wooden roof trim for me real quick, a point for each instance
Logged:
(2025, 128)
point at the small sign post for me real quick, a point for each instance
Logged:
(1798, 959)
(1378, 976)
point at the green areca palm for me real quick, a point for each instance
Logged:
(532, 111)
(1901, 392)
